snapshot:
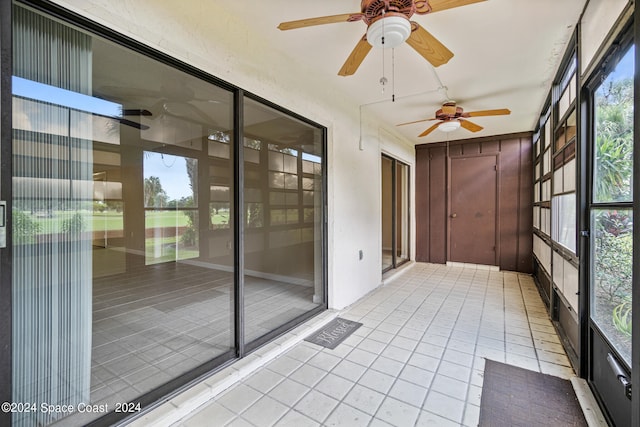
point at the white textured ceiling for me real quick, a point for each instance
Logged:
(506, 53)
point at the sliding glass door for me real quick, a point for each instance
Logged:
(395, 213)
(134, 270)
(283, 201)
(610, 213)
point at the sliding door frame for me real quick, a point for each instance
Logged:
(6, 171)
(635, 338)
(591, 334)
(394, 212)
(241, 348)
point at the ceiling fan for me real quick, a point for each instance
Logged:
(170, 101)
(453, 117)
(388, 25)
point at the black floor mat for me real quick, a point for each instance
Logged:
(333, 333)
(513, 396)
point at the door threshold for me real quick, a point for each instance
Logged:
(392, 274)
(590, 408)
(473, 266)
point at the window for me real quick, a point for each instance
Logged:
(611, 206)
(563, 230)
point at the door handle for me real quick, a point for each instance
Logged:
(3, 224)
(620, 375)
(454, 215)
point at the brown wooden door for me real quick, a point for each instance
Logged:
(472, 212)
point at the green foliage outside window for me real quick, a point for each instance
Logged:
(24, 228)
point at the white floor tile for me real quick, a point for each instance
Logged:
(449, 386)
(361, 357)
(417, 360)
(522, 350)
(556, 370)
(453, 356)
(377, 422)
(424, 362)
(474, 394)
(377, 381)
(334, 386)
(396, 353)
(408, 392)
(308, 375)
(296, 419)
(240, 422)
(349, 370)
(453, 370)
(445, 406)
(284, 365)
(418, 376)
(264, 380)
(404, 343)
(212, 413)
(302, 352)
(289, 392)
(371, 345)
(324, 361)
(238, 398)
(347, 416)
(364, 398)
(387, 366)
(265, 412)
(523, 362)
(316, 405)
(397, 413)
(428, 419)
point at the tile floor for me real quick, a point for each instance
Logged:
(156, 322)
(418, 359)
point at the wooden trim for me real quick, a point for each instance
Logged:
(475, 140)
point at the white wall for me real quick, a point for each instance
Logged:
(226, 46)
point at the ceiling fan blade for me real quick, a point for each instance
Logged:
(136, 112)
(498, 112)
(470, 126)
(124, 121)
(428, 46)
(416, 121)
(428, 131)
(321, 20)
(131, 123)
(355, 59)
(438, 5)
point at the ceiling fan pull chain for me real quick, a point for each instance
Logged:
(383, 32)
(393, 75)
(383, 79)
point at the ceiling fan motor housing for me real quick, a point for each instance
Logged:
(376, 9)
(388, 20)
(449, 110)
(389, 32)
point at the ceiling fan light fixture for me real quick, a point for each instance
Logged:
(389, 32)
(449, 126)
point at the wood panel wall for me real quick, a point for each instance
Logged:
(515, 197)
